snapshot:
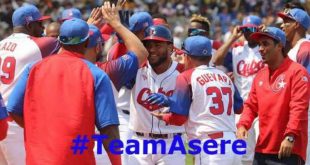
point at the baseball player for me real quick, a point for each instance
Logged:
(122, 69)
(283, 122)
(25, 45)
(295, 24)
(137, 24)
(79, 96)
(200, 25)
(159, 75)
(201, 93)
(246, 61)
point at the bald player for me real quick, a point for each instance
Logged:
(52, 29)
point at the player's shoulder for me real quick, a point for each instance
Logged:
(305, 45)
(187, 74)
(95, 70)
(238, 47)
(44, 40)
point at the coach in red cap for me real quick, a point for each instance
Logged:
(279, 97)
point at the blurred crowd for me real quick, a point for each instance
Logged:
(223, 14)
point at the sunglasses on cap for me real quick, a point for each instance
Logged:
(249, 29)
(196, 32)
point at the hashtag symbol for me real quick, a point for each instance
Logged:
(79, 144)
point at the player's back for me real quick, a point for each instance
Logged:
(212, 102)
(16, 52)
(59, 108)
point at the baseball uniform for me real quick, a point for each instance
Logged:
(246, 62)
(79, 97)
(142, 123)
(207, 93)
(16, 52)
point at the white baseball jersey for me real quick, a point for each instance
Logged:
(16, 52)
(292, 54)
(205, 95)
(147, 82)
(300, 53)
(246, 63)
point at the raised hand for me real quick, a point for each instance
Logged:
(110, 13)
(96, 18)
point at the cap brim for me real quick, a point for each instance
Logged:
(283, 16)
(81, 41)
(43, 18)
(154, 38)
(257, 35)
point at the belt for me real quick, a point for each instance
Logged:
(216, 135)
(125, 111)
(158, 136)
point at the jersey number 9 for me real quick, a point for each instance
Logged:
(8, 69)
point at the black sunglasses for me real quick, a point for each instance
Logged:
(196, 32)
(249, 29)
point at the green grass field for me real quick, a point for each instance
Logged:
(189, 158)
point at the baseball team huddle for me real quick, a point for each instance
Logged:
(254, 86)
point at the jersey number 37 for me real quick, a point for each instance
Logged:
(217, 99)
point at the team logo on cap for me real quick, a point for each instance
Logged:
(29, 18)
(248, 20)
(152, 32)
(91, 33)
(70, 13)
(205, 52)
(145, 24)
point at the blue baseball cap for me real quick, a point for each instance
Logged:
(70, 13)
(27, 14)
(94, 36)
(197, 46)
(297, 15)
(251, 21)
(73, 31)
(139, 21)
(271, 32)
(158, 33)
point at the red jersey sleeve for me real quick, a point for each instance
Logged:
(3, 128)
(175, 119)
(299, 103)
